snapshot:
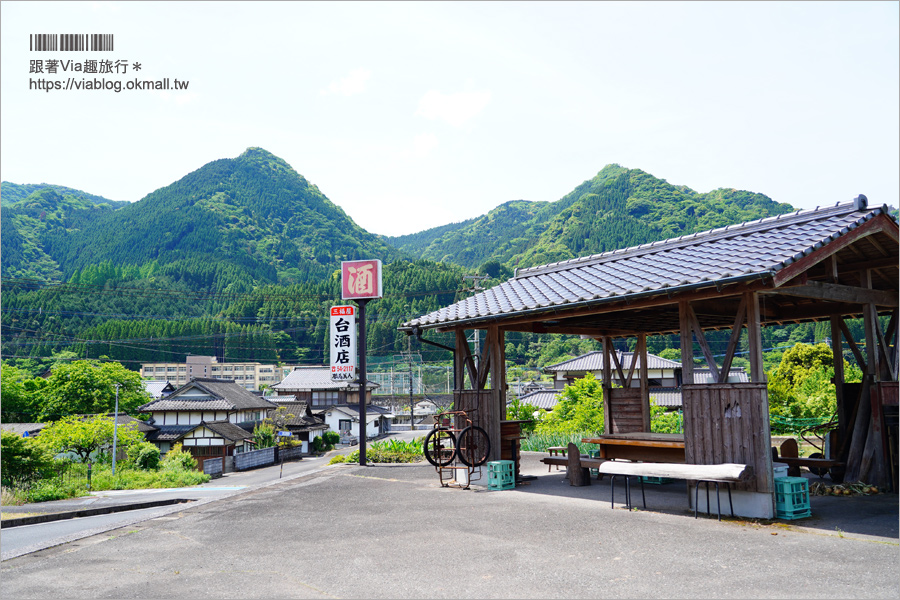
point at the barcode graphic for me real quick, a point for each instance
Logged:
(71, 42)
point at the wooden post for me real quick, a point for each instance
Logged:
(754, 337)
(606, 344)
(497, 399)
(687, 343)
(837, 353)
(645, 384)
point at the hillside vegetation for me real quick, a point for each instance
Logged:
(240, 259)
(618, 208)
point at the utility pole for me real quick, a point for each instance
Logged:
(115, 428)
(408, 355)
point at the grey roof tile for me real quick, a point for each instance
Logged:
(315, 378)
(219, 394)
(747, 250)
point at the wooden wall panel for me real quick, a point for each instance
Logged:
(625, 410)
(729, 423)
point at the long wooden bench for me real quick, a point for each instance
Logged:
(577, 473)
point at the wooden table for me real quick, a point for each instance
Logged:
(647, 447)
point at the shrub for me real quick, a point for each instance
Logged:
(144, 455)
(330, 439)
(47, 490)
(177, 459)
(264, 435)
(22, 460)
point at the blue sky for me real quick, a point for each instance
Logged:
(412, 115)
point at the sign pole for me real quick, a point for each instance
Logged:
(360, 281)
(363, 376)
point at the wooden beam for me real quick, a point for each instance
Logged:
(733, 341)
(615, 357)
(886, 363)
(839, 293)
(463, 356)
(704, 346)
(860, 361)
(878, 263)
(634, 362)
(484, 364)
(881, 223)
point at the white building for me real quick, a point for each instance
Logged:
(249, 375)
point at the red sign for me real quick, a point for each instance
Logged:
(342, 340)
(361, 279)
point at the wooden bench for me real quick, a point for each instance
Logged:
(555, 451)
(789, 455)
(577, 473)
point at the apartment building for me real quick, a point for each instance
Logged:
(249, 375)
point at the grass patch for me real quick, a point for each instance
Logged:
(73, 483)
(539, 442)
(386, 451)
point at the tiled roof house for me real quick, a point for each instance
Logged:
(212, 418)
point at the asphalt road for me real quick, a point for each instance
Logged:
(394, 532)
(16, 541)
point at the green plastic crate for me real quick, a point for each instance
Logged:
(501, 475)
(657, 480)
(594, 454)
(792, 498)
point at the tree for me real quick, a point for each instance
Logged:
(22, 459)
(264, 435)
(15, 397)
(664, 421)
(580, 409)
(85, 437)
(801, 387)
(523, 411)
(88, 387)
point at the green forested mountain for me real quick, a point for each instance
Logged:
(28, 222)
(236, 259)
(11, 193)
(253, 212)
(616, 209)
(239, 259)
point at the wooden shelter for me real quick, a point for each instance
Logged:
(828, 264)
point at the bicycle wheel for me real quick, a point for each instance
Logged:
(474, 446)
(440, 447)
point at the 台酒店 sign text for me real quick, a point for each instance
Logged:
(342, 340)
(361, 279)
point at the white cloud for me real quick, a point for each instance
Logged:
(424, 143)
(354, 83)
(456, 108)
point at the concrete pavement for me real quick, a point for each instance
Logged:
(393, 532)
